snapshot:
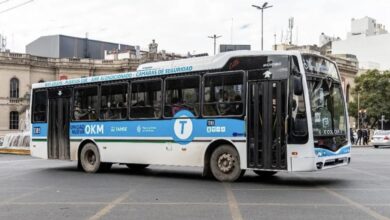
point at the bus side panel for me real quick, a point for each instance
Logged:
(242, 151)
(38, 149)
(74, 147)
(166, 153)
(38, 140)
(300, 157)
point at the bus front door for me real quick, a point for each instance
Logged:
(59, 120)
(266, 125)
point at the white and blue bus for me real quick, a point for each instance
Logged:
(263, 111)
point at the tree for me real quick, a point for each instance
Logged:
(373, 88)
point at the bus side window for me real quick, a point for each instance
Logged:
(146, 99)
(40, 106)
(85, 103)
(223, 94)
(113, 102)
(181, 93)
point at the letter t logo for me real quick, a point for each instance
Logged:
(182, 126)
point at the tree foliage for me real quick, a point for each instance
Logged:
(373, 88)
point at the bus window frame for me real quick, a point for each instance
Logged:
(97, 85)
(199, 93)
(100, 99)
(243, 93)
(33, 102)
(291, 138)
(162, 98)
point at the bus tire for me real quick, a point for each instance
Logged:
(225, 163)
(90, 158)
(264, 173)
(136, 166)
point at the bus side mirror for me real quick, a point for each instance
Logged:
(298, 87)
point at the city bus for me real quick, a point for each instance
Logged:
(243, 110)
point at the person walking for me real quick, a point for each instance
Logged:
(365, 136)
(359, 139)
(351, 135)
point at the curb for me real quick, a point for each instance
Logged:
(362, 146)
(14, 151)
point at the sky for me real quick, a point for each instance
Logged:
(183, 26)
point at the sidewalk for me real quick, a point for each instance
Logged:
(15, 150)
(369, 145)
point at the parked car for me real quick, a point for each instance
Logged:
(381, 138)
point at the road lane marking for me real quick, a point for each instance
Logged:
(359, 206)
(16, 161)
(197, 203)
(8, 201)
(349, 201)
(233, 206)
(309, 189)
(368, 173)
(106, 209)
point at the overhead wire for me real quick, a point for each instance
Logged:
(14, 7)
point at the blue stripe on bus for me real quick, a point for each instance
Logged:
(180, 129)
(320, 152)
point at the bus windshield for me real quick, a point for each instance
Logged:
(327, 103)
(327, 107)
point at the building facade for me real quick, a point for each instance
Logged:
(369, 41)
(61, 46)
(19, 71)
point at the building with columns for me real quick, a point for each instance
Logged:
(18, 71)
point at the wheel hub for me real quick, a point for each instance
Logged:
(90, 157)
(226, 162)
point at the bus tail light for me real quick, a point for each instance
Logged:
(386, 138)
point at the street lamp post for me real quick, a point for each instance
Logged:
(215, 37)
(264, 6)
(362, 116)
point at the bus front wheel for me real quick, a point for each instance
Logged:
(90, 158)
(225, 164)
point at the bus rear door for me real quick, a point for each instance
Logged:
(59, 120)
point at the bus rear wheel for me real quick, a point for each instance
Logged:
(136, 167)
(225, 164)
(264, 173)
(90, 159)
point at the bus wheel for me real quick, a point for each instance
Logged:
(90, 158)
(136, 167)
(265, 173)
(225, 163)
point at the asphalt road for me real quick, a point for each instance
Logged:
(37, 189)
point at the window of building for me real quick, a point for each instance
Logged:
(181, 93)
(114, 102)
(146, 99)
(40, 106)
(14, 120)
(85, 103)
(14, 88)
(223, 94)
